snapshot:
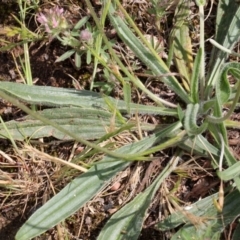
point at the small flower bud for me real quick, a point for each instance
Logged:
(85, 36)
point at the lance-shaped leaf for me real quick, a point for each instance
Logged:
(198, 209)
(127, 222)
(155, 64)
(66, 55)
(194, 88)
(180, 42)
(52, 96)
(190, 121)
(231, 172)
(209, 223)
(86, 123)
(84, 187)
(227, 34)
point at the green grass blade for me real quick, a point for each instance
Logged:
(127, 95)
(7, 133)
(126, 224)
(98, 41)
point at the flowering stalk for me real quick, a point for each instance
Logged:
(201, 4)
(57, 26)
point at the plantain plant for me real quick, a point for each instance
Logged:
(198, 115)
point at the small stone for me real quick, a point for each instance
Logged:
(115, 186)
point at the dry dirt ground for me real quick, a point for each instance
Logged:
(18, 204)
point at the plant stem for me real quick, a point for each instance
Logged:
(9, 134)
(213, 42)
(202, 46)
(27, 70)
(27, 65)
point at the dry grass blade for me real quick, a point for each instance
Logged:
(7, 157)
(35, 153)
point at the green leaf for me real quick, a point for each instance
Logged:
(227, 34)
(80, 191)
(202, 233)
(180, 113)
(190, 121)
(230, 160)
(87, 123)
(231, 172)
(89, 57)
(199, 209)
(194, 83)
(223, 93)
(223, 90)
(51, 96)
(78, 60)
(200, 2)
(80, 23)
(127, 95)
(127, 222)
(199, 145)
(209, 223)
(66, 55)
(155, 64)
(180, 42)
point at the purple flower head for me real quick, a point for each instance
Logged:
(42, 18)
(86, 36)
(53, 20)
